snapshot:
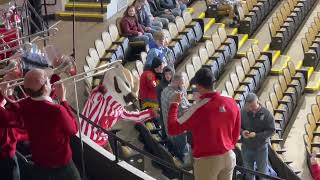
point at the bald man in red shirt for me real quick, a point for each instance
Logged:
(49, 127)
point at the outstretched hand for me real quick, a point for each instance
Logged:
(177, 97)
(60, 92)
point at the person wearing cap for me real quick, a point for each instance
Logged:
(148, 84)
(49, 126)
(257, 127)
(214, 122)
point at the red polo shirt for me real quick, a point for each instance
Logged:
(49, 127)
(214, 122)
(148, 84)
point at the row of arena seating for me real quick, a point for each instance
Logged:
(248, 76)
(282, 103)
(311, 44)
(253, 13)
(312, 138)
(287, 21)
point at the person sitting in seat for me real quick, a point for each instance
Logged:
(175, 6)
(131, 27)
(159, 49)
(144, 19)
(315, 167)
(148, 82)
(157, 10)
(155, 21)
(229, 7)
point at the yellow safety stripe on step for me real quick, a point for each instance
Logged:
(278, 70)
(234, 31)
(266, 48)
(209, 24)
(310, 71)
(276, 55)
(86, 15)
(190, 10)
(299, 65)
(243, 40)
(85, 5)
(202, 15)
(313, 86)
(244, 53)
(222, 25)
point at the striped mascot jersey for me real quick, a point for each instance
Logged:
(105, 111)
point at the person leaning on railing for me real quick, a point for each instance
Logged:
(49, 126)
(215, 126)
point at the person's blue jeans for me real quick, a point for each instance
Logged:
(258, 156)
(179, 146)
(9, 169)
(146, 37)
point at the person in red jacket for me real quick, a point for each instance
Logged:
(214, 122)
(148, 84)
(49, 127)
(131, 28)
(315, 167)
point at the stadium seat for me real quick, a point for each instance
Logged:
(143, 57)
(278, 118)
(94, 59)
(113, 48)
(212, 64)
(284, 99)
(245, 79)
(318, 100)
(117, 39)
(256, 65)
(198, 30)
(215, 55)
(230, 41)
(196, 61)
(241, 89)
(186, 30)
(190, 70)
(264, 58)
(251, 72)
(102, 53)
(311, 58)
(182, 39)
(221, 47)
(279, 108)
(174, 45)
(293, 82)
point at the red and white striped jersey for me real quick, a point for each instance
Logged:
(105, 111)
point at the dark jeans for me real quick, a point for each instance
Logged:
(9, 169)
(258, 156)
(67, 172)
(179, 146)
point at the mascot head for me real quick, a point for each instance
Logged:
(119, 82)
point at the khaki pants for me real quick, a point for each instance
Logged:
(215, 167)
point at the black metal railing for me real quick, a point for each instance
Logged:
(182, 172)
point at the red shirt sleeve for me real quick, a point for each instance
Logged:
(174, 127)
(237, 127)
(150, 81)
(10, 118)
(67, 119)
(126, 28)
(315, 169)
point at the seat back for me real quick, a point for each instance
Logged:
(167, 35)
(315, 28)
(272, 30)
(308, 129)
(251, 58)
(90, 62)
(284, 12)
(283, 83)
(274, 100)
(118, 24)
(245, 64)
(317, 22)
(180, 23)
(185, 76)
(269, 106)
(210, 47)
(216, 40)
(190, 70)
(318, 100)
(291, 5)
(240, 73)
(100, 47)
(309, 38)
(278, 91)
(286, 6)
(196, 61)
(229, 88)
(187, 17)
(279, 18)
(203, 54)
(139, 66)
(94, 57)
(222, 34)
(143, 57)
(256, 51)
(106, 39)
(114, 32)
(315, 112)
(173, 30)
(244, 7)
(287, 75)
(292, 68)
(311, 120)
(305, 44)
(234, 80)
(135, 73)
(250, 5)
(241, 12)
(276, 23)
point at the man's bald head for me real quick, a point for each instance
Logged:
(35, 81)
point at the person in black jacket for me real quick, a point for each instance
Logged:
(257, 126)
(157, 10)
(175, 6)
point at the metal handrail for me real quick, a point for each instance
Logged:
(182, 172)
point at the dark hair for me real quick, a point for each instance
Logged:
(205, 78)
(36, 93)
(156, 62)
